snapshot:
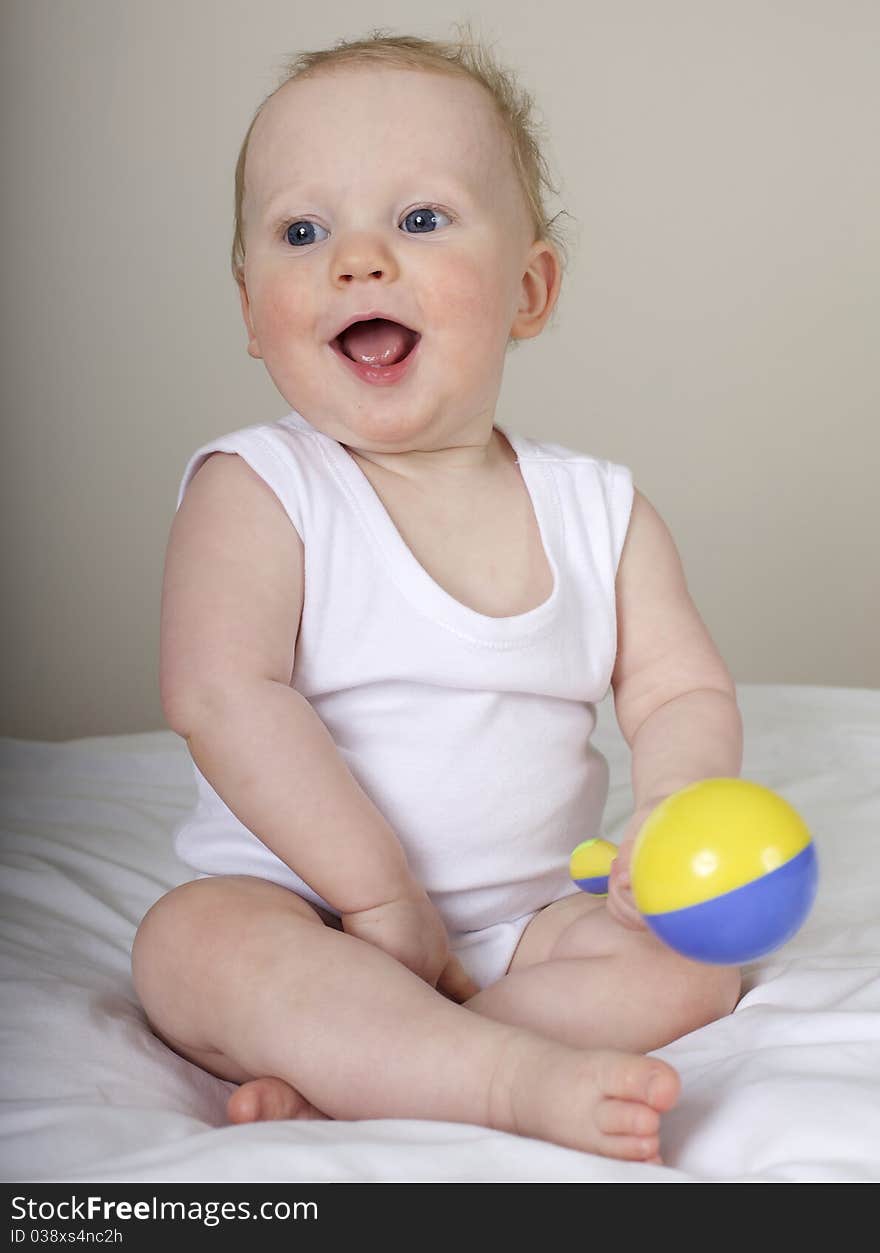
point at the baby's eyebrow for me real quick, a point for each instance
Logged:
(298, 192)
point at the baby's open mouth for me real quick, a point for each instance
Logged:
(377, 342)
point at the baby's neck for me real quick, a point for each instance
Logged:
(459, 465)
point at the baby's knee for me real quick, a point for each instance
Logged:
(221, 922)
(710, 992)
(168, 931)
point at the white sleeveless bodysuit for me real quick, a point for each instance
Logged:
(471, 734)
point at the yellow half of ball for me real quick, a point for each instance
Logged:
(711, 838)
(592, 859)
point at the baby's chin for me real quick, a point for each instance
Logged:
(371, 429)
(376, 432)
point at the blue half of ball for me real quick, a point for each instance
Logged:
(747, 923)
(597, 886)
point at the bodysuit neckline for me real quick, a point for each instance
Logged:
(414, 580)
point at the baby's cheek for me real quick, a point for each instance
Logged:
(281, 311)
(471, 298)
(281, 318)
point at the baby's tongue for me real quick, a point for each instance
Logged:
(376, 342)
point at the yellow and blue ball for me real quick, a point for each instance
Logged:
(590, 865)
(723, 871)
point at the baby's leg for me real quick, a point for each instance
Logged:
(242, 977)
(581, 978)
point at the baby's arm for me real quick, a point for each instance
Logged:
(231, 607)
(674, 697)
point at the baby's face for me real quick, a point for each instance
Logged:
(337, 164)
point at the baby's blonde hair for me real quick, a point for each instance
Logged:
(466, 57)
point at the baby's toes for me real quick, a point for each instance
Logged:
(632, 1078)
(628, 1118)
(268, 1099)
(627, 1131)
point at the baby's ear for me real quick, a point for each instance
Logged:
(541, 283)
(253, 346)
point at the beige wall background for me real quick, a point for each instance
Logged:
(717, 331)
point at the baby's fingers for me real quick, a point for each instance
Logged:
(625, 914)
(621, 906)
(455, 982)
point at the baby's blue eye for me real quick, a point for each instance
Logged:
(424, 220)
(298, 232)
(426, 216)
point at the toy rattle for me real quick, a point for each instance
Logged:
(723, 871)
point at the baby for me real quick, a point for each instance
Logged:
(386, 623)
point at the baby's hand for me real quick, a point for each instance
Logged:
(620, 903)
(411, 930)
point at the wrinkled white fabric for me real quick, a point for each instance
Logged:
(784, 1089)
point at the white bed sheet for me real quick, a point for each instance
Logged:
(786, 1088)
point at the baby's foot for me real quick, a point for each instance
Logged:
(267, 1100)
(598, 1101)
